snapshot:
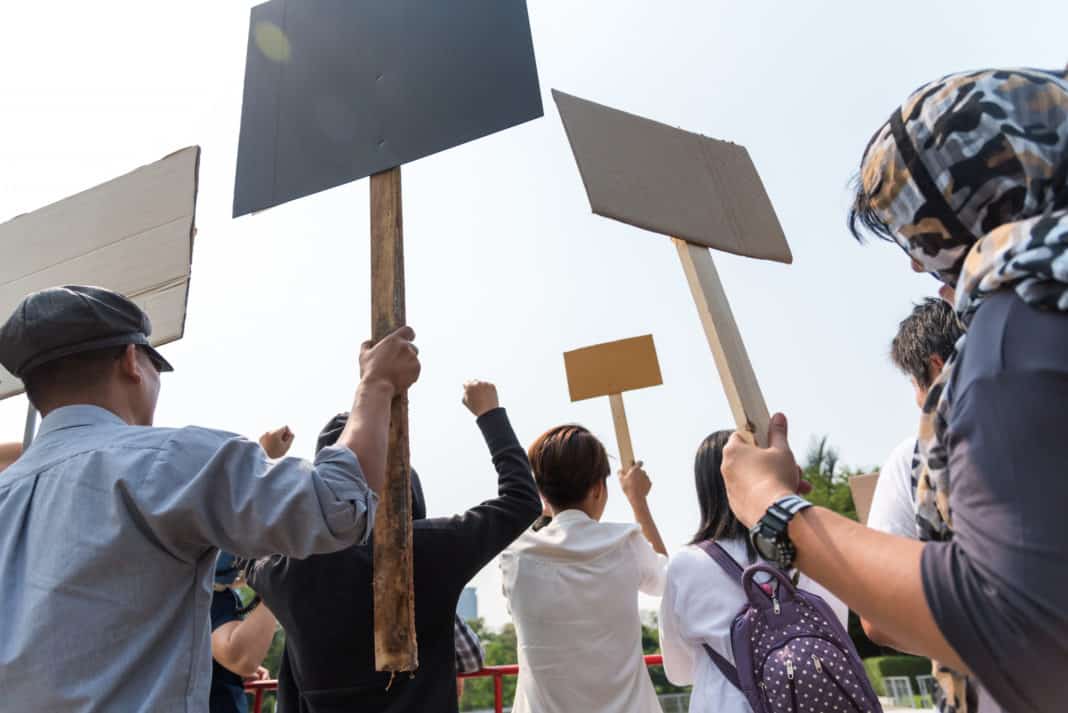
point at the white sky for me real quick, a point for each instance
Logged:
(506, 266)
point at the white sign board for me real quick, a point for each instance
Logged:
(133, 234)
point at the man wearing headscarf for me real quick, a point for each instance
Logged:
(970, 177)
(109, 527)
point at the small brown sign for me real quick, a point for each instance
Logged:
(863, 489)
(612, 368)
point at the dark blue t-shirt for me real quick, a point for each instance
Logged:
(999, 590)
(227, 688)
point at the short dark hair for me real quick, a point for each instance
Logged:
(69, 372)
(567, 462)
(717, 520)
(932, 329)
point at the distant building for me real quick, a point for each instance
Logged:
(467, 608)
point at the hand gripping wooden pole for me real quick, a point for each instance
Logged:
(735, 370)
(619, 418)
(394, 600)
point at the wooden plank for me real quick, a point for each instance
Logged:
(394, 600)
(735, 370)
(619, 419)
(132, 234)
(670, 181)
(612, 368)
(862, 488)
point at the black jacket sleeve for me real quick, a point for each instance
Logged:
(478, 535)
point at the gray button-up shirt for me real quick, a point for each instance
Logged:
(108, 539)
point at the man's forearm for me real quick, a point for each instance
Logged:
(251, 640)
(644, 517)
(367, 432)
(877, 575)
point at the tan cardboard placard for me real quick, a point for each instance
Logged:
(681, 184)
(863, 489)
(612, 368)
(133, 234)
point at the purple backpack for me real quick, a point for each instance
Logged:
(791, 653)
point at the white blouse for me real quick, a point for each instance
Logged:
(572, 589)
(700, 603)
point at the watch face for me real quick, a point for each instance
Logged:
(766, 547)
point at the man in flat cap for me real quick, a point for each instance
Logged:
(109, 528)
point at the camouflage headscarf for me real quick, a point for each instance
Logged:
(970, 177)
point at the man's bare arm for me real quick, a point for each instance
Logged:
(241, 646)
(9, 453)
(877, 575)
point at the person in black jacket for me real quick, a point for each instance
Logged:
(324, 602)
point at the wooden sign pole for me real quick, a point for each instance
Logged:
(735, 370)
(619, 418)
(31, 426)
(394, 601)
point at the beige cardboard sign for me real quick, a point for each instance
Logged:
(863, 489)
(133, 234)
(671, 181)
(612, 368)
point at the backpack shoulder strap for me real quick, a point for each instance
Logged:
(734, 570)
(714, 550)
(729, 672)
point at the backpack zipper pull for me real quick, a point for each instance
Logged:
(790, 669)
(775, 605)
(818, 664)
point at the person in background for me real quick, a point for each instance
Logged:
(240, 635)
(970, 177)
(325, 602)
(701, 601)
(469, 654)
(122, 521)
(924, 343)
(572, 585)
(9, 453)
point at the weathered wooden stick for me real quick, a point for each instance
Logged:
(735, 370)
(394, 601)
(31, 426)
(619, 418)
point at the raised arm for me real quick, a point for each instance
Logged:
(876, 574)
(486, 529)
(386, 369)
(636, 486)
(207, 488)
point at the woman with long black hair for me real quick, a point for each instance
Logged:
(701, 601)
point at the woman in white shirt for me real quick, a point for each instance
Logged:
(572, 585)
(701, 601)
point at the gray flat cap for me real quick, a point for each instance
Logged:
(63, 321)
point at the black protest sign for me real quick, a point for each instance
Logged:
(336, 90)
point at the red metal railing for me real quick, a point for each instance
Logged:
(258, 688)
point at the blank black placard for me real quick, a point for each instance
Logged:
(336, 90)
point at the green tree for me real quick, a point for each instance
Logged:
(830, 489)
(500, 650)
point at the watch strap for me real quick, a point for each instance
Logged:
(788, 506)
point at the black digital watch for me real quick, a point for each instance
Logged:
(769, 536)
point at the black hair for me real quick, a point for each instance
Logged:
(69, 372)
(932, 329)
(717, 520)
(328, 437)
(863, 219)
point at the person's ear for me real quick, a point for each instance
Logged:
(130, 366)
(935, 363)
